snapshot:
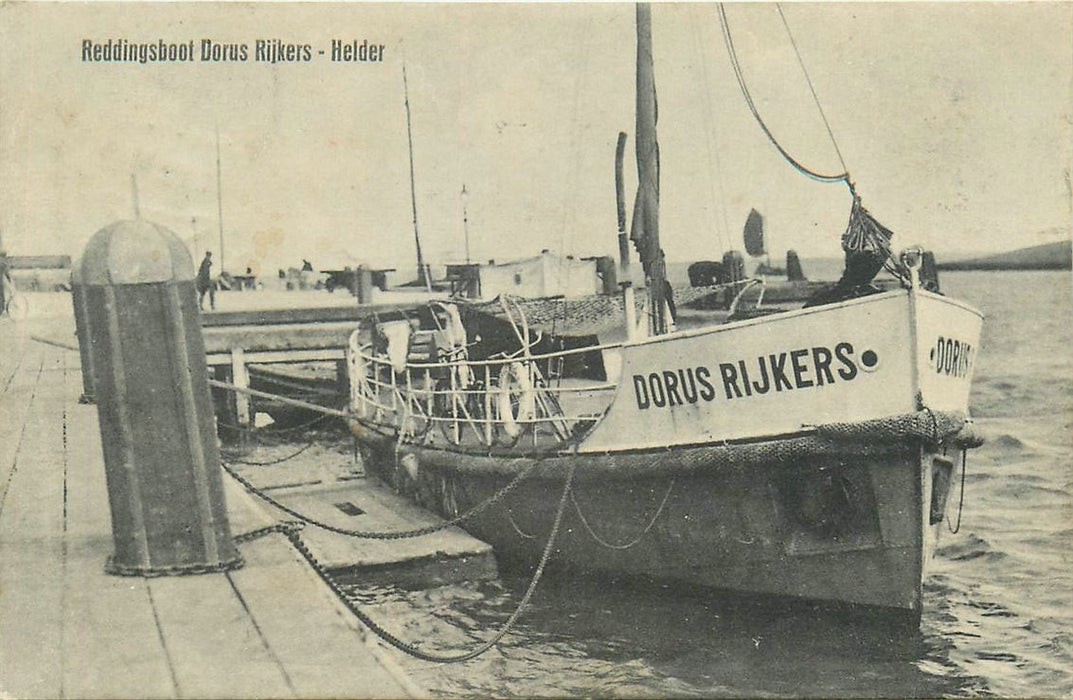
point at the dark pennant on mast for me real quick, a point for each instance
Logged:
(645, 230)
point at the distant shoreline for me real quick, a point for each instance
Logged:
(1048, 256)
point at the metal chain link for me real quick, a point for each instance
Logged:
(397, 535)
(112, 567)
(270, 462)
(291, 531)
(961, 499)
(281, 527)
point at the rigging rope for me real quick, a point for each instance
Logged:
(728, 39)
(610, 545)
(961, 499)
(812, 89)
(712, 143)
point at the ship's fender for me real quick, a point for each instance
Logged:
(515, 385)
(397, 334)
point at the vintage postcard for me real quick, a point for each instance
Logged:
(551, 349)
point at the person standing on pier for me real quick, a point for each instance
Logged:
(204, 283)
(5, 280)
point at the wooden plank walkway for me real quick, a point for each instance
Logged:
(270, 629)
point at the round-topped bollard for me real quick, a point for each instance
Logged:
(161, 458)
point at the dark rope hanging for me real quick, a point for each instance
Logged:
(739, 75)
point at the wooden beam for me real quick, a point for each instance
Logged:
(327, 314)
(241, 378)
(293, 336)
(264, 357)
(39, 262)
(276, 397)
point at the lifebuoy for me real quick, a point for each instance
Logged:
(515, 386)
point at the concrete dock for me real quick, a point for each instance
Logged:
(68, 629)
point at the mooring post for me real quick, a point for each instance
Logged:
(161, 458)
(85, 344)
(240, 377)
(364, 285)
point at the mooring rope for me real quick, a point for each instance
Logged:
(521, 533)
(269, 430)
(961, 498)
(312, 389)
(609, 545)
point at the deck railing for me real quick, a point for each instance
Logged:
(500, 400)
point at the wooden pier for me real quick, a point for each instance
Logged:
(234, 340)
(68, 629)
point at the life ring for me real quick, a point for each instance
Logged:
(515, 386)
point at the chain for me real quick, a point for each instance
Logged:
(398, 535)
(291, 530)
(270, 462)
(283, 527)
(112, 567)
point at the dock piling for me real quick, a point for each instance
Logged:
(161, 458)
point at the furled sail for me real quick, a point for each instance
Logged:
(754, 234)
(867, 245)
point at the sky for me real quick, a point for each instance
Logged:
(954, 120)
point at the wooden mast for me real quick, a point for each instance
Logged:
(645, 233)
(626, 282)
(422, 271)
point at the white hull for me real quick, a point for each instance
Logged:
(858, 360)
(826, 477)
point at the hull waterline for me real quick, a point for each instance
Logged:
(853, 528)
(829, 485)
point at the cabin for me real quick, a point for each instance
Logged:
(544, 275)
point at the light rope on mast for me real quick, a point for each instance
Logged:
(714, 162)
(812, 89)
(739, 75)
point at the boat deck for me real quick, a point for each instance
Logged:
(270, 629)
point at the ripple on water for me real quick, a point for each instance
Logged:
(970, 547)
(997, 614)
